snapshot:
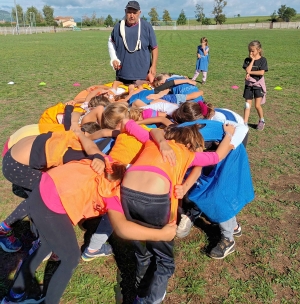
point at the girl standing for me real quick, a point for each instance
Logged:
(255, 87)
(202, 60)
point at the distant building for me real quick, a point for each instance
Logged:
(65, 21)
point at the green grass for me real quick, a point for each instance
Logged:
(265, 267)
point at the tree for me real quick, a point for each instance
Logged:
(153, 15)
(206, 21)
(199, 12)
(182, 18)
(166, 16)
(218, 11)
(144, 18)
(33, 15)
(109, 21)
(238, 15)
(273, 17)
(286, 13)
(94, 19)
(48, 12)
(19, 13)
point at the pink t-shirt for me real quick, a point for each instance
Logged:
(149, 113)
(52, 200)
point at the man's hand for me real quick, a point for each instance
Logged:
(152, 70)
(116, 65)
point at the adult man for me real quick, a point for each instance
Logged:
(132, 47)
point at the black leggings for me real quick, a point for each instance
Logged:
(57, 235)
(23, 176)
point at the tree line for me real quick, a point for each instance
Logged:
(46, 17)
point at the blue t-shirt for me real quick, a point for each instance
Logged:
(134, 65)
(142, 95)
(184, 88)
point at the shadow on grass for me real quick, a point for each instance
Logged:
(124, 257)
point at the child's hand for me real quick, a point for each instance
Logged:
(179, 191)
(192, 82)
(167, 153)
(98, 165)
(198, 55)
(75, 128)
(229, 128)
(247, 76)
(169, 232)
(70, 102)
(152, 96)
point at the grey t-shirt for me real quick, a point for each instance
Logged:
(134, 65)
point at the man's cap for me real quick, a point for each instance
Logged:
(133, 4)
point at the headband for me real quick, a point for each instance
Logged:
(203, 107)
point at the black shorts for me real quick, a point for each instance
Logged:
(125, 81)
(252, 92)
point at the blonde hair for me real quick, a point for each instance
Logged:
(113, 115)
(158, 78)
(257, 45)
(135, 113)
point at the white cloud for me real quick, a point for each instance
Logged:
(115, 8)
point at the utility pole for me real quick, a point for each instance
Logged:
(17, 19)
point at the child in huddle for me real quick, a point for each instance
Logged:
(149, 197)
(202, 60)
(255, 88)
(54, 215)
(23, 164)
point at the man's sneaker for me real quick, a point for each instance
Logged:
(25, 299)
(105, 250)
(187, 222)
(237, 232)
(260, 126)
(223, 248)
(10, 243)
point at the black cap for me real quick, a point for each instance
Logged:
(133, 4)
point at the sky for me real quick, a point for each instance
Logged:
(79, 8)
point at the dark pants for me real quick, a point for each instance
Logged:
(57, 235)
(155, 260)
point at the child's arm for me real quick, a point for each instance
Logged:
(154, 120)
(104, 133)
(158, 95)
(181, 190)
(74, 121)
(135, 130)
(132, 231)
(172, 83)
(194, 95)
(205, 50)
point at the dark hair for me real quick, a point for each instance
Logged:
(190, 111)
(118, 171)
(90, 127)
(99, 100)
(188, 136)
(158, 78)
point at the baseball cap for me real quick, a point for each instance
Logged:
(133, 4)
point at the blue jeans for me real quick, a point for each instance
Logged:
(155, 260)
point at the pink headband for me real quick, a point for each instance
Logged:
(203, 107)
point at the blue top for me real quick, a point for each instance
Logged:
(142, 96)
(134, 65)
(203, 61)
(222, 192)
(184, 88)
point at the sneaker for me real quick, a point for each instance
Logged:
(4, 229)
(105, 250)
(237, 232)
(260, 126)
(223, 248)
(203, 82)
(25, 299)
(187, 222)
(10, 243)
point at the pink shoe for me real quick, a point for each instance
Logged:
(260, 126)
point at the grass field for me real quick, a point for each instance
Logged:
(265, 266)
